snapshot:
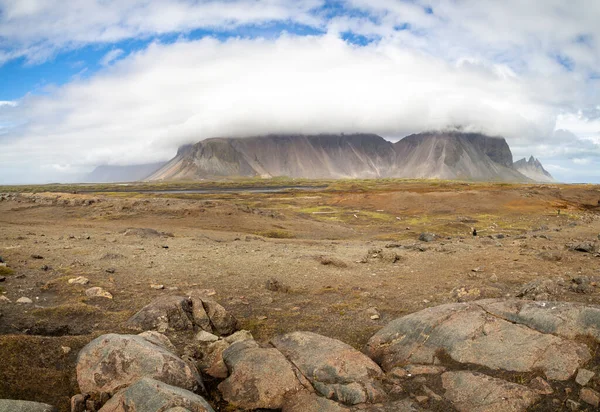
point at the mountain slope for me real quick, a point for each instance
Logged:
(443, 155)
(316, 156)
(533, 169)
(455, 155)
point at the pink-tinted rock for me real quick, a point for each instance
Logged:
(111, 362)
(476, 392)
(259, 377)
(151, 395)
(469, 333)
(335, 369)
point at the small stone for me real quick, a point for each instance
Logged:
(427, 237)
(79, 280)
(541, 386)
(37, 257)
(98, 292)
(421, 398)
(157, 287)
(111, 270)
(431, 393)
(165, 246)
(398, 373)
(239, 336)
(2, 278)
(204, 336)
(78, 403)
(24, 300)
(584, 376)
(261, 317)
(373, 313)
(572, 405)
(65, 349)
(45, 268)
(590, 396)
(494, 278)
(4, 299)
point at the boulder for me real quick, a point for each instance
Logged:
(259, 377)
(211, 353)
(164, 313)
(335, 369)
(158, 339)
(151, 395)
(184, 313)
(111, 362)
(404, 405)
(475, 333)
(476, 392)
(586, 247)
(565, 319)
(309, 402)
(9, 405)
(220, 322)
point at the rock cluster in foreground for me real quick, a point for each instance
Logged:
(452, 357)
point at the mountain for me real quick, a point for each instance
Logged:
(533, 169)
(443, 155)
(455, 155)
(109, 174)
(314, 156)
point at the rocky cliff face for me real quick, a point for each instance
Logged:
(316, 156)
(443, 155)
(533, 169)
(455, 155)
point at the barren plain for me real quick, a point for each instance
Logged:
(340, 258)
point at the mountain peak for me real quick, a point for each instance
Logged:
(533, 169)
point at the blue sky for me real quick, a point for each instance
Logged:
(112, 82)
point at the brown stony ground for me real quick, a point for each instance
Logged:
(319, 260)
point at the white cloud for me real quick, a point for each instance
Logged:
(144, 106)
(111, 56)
(37, 29)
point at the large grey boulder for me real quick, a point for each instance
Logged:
(309, 402)
(9, 405)
(259, 377)
(476, 392)
(565, 319)
(181, 313)
(474, 333)
(147, 395)
(404, 405)
(165, 313)
(335, 369)
(211, 353)
(111, 362)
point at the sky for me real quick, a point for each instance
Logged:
(119, 82)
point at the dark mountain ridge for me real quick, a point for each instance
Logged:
(442, 155)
